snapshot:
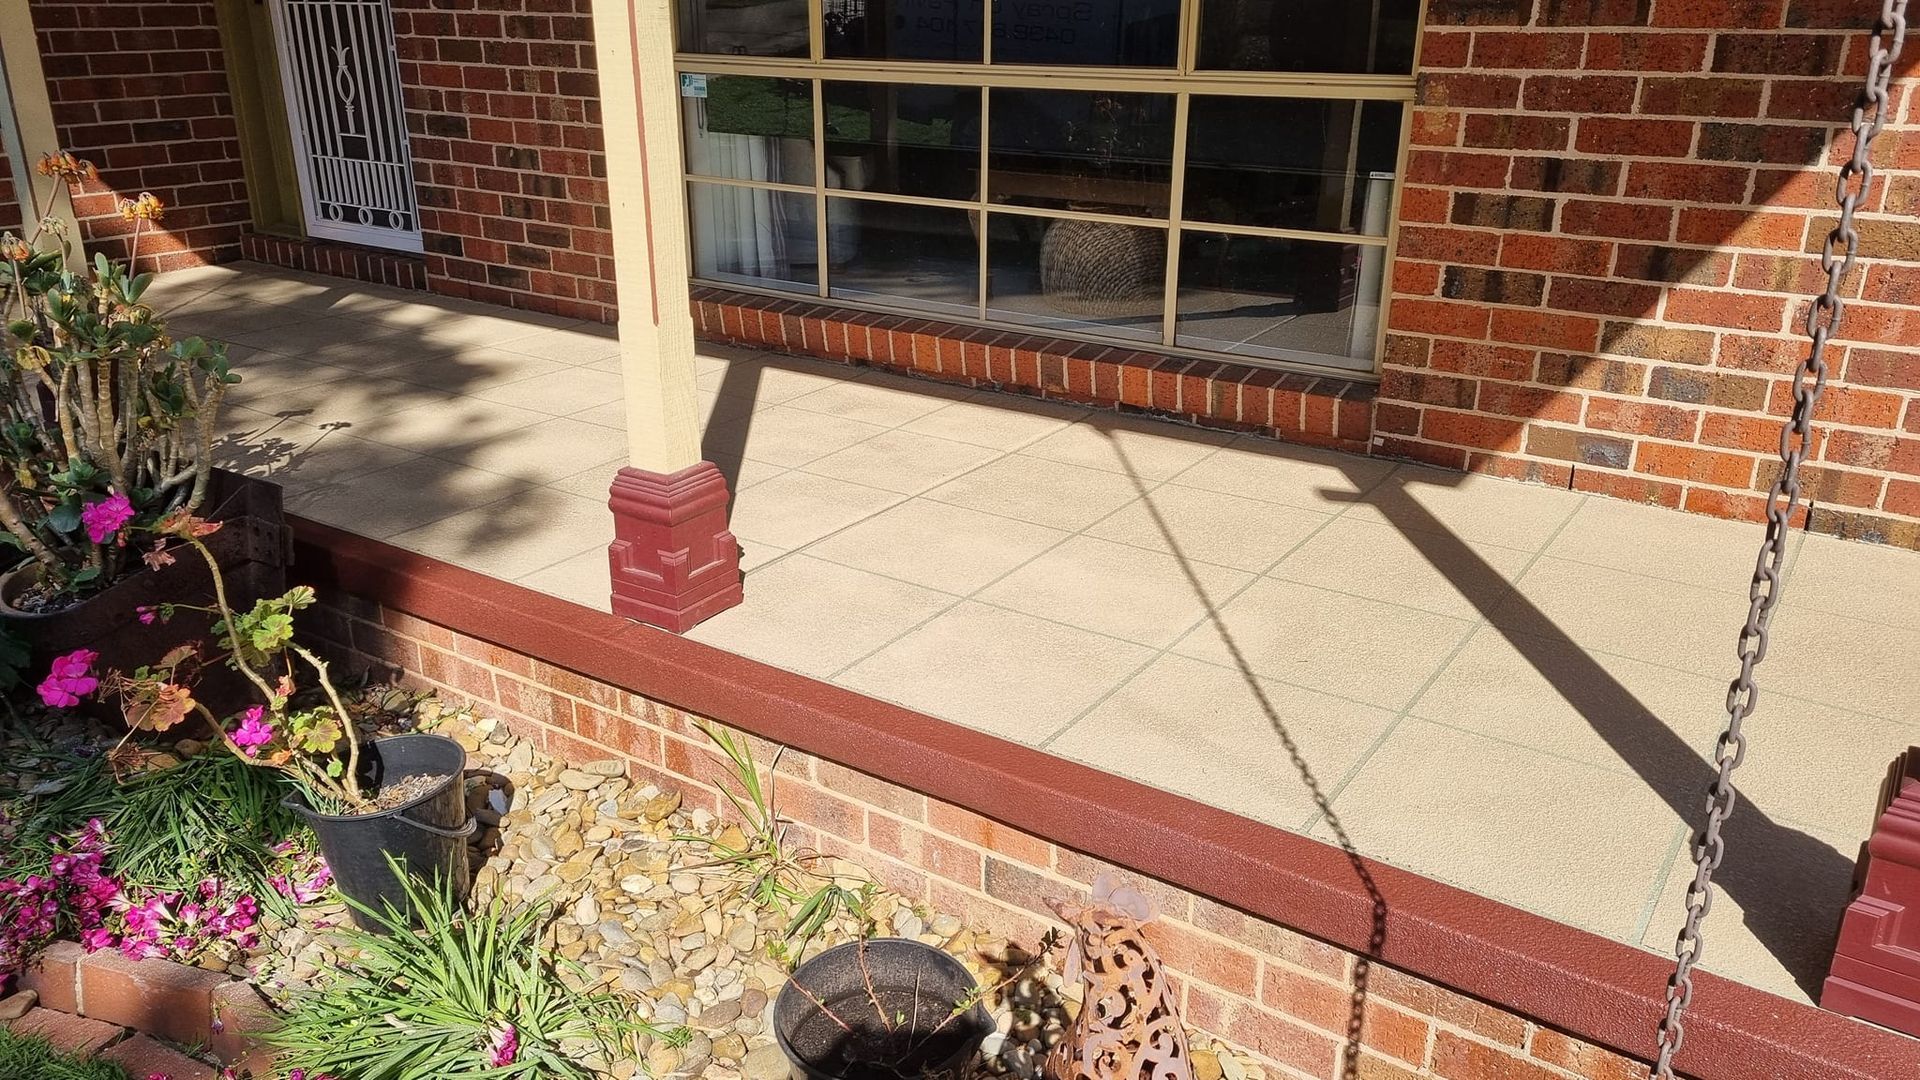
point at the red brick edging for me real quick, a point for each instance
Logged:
(88, 1000)
(1261, 927)
(1318, 410)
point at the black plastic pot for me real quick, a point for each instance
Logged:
(427, 836)
(910, 1030)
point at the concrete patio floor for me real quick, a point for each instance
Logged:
(1507, 687)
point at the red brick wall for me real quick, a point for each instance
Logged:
(139, 87)
(1605, 253)
(504, 109)
(11, 213)
(1282, 995)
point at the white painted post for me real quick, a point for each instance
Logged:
(640, 122)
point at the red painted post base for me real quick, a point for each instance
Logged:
(675, 563)
(1876, 965)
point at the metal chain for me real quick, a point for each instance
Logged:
(1823, 322)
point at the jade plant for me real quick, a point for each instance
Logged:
(106, 421)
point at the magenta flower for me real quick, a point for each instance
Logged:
(504, 1047)
(104, 518)
(69, 679)
(254, 732)
(147, 614)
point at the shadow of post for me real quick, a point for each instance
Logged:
(723, 441)
(1673, 770)
(1779, 919)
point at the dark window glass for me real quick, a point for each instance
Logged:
(903, 29)
(748, 127)
(1324, 165)
(744, 27)
(1340, 36)
(1082, 150)
(1070, 274)
(904, 139)
(895, 252)
(1104, 33)
(753, 236)
(1280, 299)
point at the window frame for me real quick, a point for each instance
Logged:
(1183, 81)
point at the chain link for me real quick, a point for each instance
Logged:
(1823, 322)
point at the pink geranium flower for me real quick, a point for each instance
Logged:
(504, 1047)
(105, 517)
(254, 732)
(69, 679)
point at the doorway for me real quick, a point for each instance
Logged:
(341, 76)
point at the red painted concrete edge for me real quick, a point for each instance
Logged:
(1594, 988)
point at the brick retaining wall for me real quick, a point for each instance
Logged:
(1281, 994)
(1263, 928)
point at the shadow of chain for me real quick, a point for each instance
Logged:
(1377, 934)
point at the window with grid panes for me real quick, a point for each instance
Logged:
(1199, 176)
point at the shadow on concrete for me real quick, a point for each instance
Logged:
(1799, 939)
(1377, 936)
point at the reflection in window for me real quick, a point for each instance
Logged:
(1333, 36)
(895, 251)
(1104, 33)
(1082, 150)
(903, 29)
(751, 236)
(1323, 165)
(904, 139)
(748, 127)
(749, 27)
(1071, 274)
(1280, 299)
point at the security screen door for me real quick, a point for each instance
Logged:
(342, 81)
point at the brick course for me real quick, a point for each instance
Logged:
(372, 265)
(1604, 289)
(1320, 411)
(140, 89)
(503, 106)
(1284, 996)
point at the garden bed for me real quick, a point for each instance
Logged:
(648, 905)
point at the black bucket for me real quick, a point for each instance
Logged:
(910, 1030)
(428, 836)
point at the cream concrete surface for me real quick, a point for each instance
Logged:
(1509, 687)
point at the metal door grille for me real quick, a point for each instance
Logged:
(342, 79)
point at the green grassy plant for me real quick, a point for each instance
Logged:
(24, 1057)
(771, 873)
(428, 1003)
(210, 816)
